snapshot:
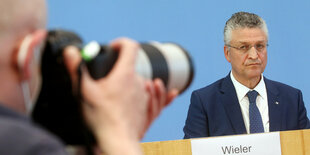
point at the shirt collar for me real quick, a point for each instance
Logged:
(242, 90)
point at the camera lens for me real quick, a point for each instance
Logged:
(167, 61)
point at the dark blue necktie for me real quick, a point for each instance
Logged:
(256, 123)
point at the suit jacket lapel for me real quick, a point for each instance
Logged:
(274, 106)
(231, 104)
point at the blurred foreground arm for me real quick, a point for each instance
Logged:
(120, 107)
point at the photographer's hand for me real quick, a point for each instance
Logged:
(121, 106)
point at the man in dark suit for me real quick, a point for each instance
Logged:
(245, 101)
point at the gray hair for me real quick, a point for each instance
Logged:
(243, 20)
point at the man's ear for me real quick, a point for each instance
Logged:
(226, 53)
(25, 53)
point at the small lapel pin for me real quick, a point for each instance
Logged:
(277, 102)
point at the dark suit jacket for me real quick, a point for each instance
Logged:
(19, 136)
(215, 110)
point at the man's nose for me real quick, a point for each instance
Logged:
(253, 52)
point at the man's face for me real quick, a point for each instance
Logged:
(247, 53)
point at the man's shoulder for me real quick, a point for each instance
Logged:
(20, 132)
(280, 86)
(211, 88)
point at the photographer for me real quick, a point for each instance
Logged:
(118, 108)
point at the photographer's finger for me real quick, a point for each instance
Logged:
(172, 94)
(127, 52)
(87, 86)
(160, 92)
(165, 97)
(72, 59)
(152, 110)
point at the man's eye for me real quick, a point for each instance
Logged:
(260, 46)
(244, 47)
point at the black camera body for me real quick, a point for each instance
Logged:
(58, 109)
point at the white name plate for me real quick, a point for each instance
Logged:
(253, 144)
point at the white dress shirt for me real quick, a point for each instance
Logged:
(261, 102)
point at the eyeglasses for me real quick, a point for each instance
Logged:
(245, 48)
